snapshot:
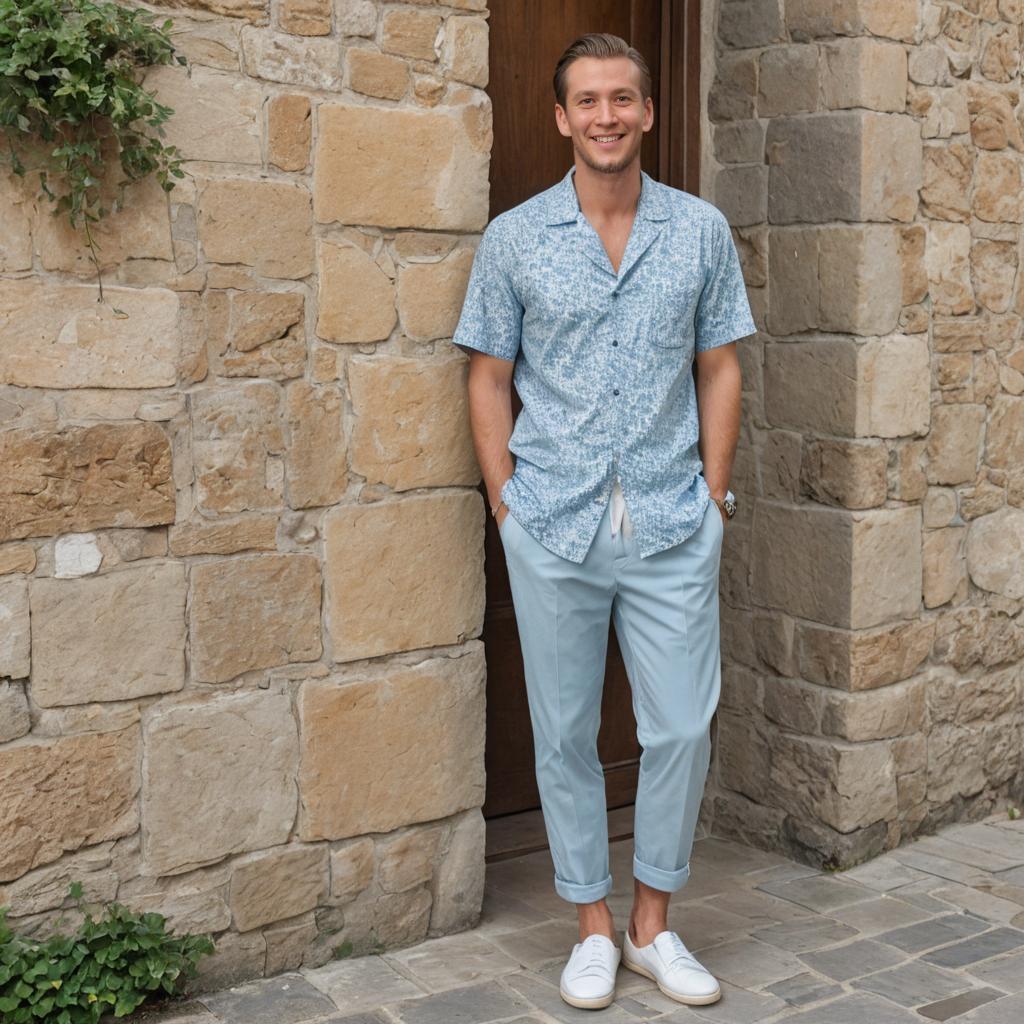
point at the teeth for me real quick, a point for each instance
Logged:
(606, 138)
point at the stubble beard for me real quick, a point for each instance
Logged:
(613, 168)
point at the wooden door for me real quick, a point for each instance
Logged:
(529, 155)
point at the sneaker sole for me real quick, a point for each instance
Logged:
(588, 1004)
(677, 996)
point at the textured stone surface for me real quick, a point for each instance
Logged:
(305, 17)
(254, 612)
(431, 542)
(251, 533)
(414, 748)
(465, 50)
(357, 299)
(411, 33)
(377, 74)
(407, 860)
(15, 637)
(864, 72)
(86, 635)
(289, 131)
(314, 63)
(14, 716)
(430, 295)
(273, 886)
(995, 552)
(218, 778)
(458, 886)
(351, 869)
(315, 463)
(20, 558)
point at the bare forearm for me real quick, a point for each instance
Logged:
(490, 417)
(718, 405)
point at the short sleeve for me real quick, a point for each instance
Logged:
(723, 310)
(492, 315)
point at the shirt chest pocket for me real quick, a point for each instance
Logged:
(670, 322)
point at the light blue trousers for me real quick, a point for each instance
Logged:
(665, 610)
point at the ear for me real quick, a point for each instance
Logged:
(648, 121)
(562, 121)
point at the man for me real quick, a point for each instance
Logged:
(596, 297)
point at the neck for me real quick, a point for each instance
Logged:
(605, 196)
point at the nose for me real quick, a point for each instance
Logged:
(606, 113)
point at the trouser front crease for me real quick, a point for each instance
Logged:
(665, 611)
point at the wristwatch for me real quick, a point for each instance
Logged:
(726, 504)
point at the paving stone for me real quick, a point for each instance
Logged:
(535, 947)
(979, 903)
(362, 984)
(452, 961)
(852, 960)
(988, 837)
(806, 936)
(759, 909)
(913, 984)
(955, 1006)
(804, 988)
(179, 1013)
(502, 913)
(943, 867)
(733, 857)
(879, 915)
(1006, 973)
(883, 874)
(818, 892)
(1002, 1011)
(737, 1006)
(985, 859)
(545, 997)
(861, 1008)
(981, 947)
(359, 1018)
(286, 999)
(1015, 876)
(474, 1004)
(749, 962)
(916, 938)
(702, 924)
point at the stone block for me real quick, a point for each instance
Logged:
(237, 958)
(256, 334)
(309, 62)
(993, 273)
(882, 714)
(465, 50)
(351, 869)
(418, 169)
(860, 279)
(411, 33)
(357, 299)
(305, 17)
(894, 395)
(83, 478)
(389, 920)
(316, 471)
(57, 336)
(954, 443)
(218, 779)
(276, 885)
(250, 533)
(886, 579)
(413, 734)
(15, 224)
(847, 473)
(947, 173)
(96, 778)
(289, 131)
(458, 884)
(995, 553)
(216, 114)
(787, 80)
(254, 11)
(407, 860)
(993, 124)
(430, 295)
(86, 635)
(747, 23)
(15, 635)
(252, 613)
(355, 17)
(14, 716)
(1004, 437)
(948, 263)
(288, 942)
(793, 705)
(739, 142)
(892, 19)
(411, 425)
(261, 224)
(734, 92)
(864, 72)
(741, 194)
(944, 566)
(432, 544)
(19, 558)
(377, 74)
(812, 386)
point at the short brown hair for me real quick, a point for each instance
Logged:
(601, 45)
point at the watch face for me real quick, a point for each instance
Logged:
(730, 507)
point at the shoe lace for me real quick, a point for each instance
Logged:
(681, 956)
(596, 962)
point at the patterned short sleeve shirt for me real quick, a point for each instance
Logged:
(603, 361)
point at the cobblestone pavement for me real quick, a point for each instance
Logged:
(931, 931)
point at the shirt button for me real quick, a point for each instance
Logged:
(615, 344)
(616, 391)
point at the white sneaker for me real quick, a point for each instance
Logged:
(668, 962)
(588, 980)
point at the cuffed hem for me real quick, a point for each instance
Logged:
(583, 893)
(657, 878)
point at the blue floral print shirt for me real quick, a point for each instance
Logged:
(603, 361)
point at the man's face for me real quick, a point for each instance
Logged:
(605, 113)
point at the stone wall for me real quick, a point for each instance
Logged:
(868, 154)
(233, 493)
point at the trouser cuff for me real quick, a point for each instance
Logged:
(658, 878)
(583, 893)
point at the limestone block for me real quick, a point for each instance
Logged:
(417, 169)
(57, 336)
(894, 395)
(743, 755)
(864, 72)
(194, 902)
(947, 181)
(356, 17)
(86, 635)
(278, 884)
(787, 80)
(46, 888)
(228, 537)
(993, 272)
(237, 958)
(465, 50)
(1000, 56)
(793, 270)
(893, 19)
(977, 636)
(411, 33)
(255, 612)
(413, 741)
(793, 705)
(15, 642)
(458, 885)
(944, 566)
(998, 189)
(1004, 439)
(218, 779)
(351, 869)
(733, 95)
(377, 920)
(357, 299)
(943, 111)
(860, 279)
(235, 430)
(947, 259)
(430, 295)
(939, 507)
(893, 711)
(96, 778)
(746, 23)
(315, 463)
(739, 142)
(310, 62)
(407, 860)
(83, 478)
(256, 334)
(209, 42)
(15, 224)
(305, 17)
(432, 545)
(847, 473)
(741, 194)
(288, 942)
(14, 716)
(289, 131)
(377, 74)
(261, 224)
(813, 385)
(993, 125)
(216, 115)
(254, 11)
(995, 552)
(411, 424)
(954, 443)
(974, 334)
(17, 558)
(76, 554)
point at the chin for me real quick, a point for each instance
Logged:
(610, 165)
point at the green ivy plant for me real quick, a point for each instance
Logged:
(70, 82)
(112, 964)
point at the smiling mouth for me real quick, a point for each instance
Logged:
(605, 140)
